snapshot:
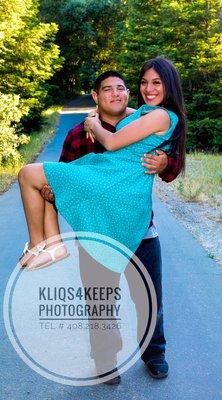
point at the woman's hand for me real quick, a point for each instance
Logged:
(90, 125)
(93, 113)
(90, 135)
(91, 122)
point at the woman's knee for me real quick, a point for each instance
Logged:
(25, 173)
(32, 174)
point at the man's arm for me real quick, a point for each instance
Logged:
(167, 167)
(68, 152)
(74, 142)
(172, 170)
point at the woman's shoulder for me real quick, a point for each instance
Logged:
(145, 109)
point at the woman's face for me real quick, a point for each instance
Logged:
(151, 88)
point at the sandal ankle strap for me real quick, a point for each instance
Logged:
(52, 251)
(39, 248)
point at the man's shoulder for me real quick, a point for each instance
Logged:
(77, 130)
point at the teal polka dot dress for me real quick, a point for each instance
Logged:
(109, 193)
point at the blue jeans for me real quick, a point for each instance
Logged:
(149, 252)
(93, 275)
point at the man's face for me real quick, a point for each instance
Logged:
(112, 98)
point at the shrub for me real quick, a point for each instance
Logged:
(11, 112)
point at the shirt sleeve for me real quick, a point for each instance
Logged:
(172, 170)
(67, 147)
(75, 144)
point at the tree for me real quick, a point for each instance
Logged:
(187, 32)
(28, 55)
(86, 36)
(9, 140)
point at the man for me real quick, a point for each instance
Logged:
(111, 96)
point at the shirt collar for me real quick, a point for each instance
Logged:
(108, 126)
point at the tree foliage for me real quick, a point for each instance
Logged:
(9, 141)
(95, 35)
(28, 58)
(28, 55)
(86, 37)
(189, 33)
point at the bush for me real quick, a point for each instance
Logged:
(10, 115)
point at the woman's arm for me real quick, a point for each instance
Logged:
(157, 121)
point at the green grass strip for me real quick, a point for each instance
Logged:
(29, 151)
(203, 179)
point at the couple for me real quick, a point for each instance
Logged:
(109, 193)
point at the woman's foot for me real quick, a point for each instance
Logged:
(29, 253)
(51, 254)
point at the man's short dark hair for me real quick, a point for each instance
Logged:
(105, 75)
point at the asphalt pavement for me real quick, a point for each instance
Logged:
(192, 284)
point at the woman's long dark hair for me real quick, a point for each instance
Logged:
(173, 101)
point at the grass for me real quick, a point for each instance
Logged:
(30, 151)
(203, 179)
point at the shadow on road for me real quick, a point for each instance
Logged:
(83, 103)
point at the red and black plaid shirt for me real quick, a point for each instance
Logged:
(77, 145)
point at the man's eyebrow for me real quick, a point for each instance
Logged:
(110, 86)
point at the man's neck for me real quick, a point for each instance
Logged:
(112, 119)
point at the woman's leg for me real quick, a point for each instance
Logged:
(51, 228)
(54, 249)
(41, 219)
(51, 225)
(31, 179)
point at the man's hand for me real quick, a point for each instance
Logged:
(47, 193)
(155, 164)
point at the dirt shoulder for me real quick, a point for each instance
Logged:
(201, 219)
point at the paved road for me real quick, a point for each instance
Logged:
(192, 306)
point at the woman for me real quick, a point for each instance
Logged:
(103, 192)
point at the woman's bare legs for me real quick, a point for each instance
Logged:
(31, 179)
(51, 225)
(41, 216)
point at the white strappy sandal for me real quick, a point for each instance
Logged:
(34, 265)
(35, 251)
